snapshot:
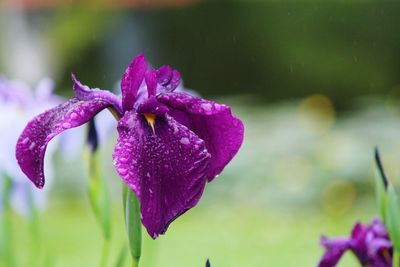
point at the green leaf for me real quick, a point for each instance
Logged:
(393, 217)
(396, 259)
(98, 193)
(121, 258)
(132, 223)
(381, 196)
(381, 183)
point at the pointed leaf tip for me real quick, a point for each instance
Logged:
(380, 168)
(208, 263)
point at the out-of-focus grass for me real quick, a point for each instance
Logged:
(230, 234)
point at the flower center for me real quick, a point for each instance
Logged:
(150, 118)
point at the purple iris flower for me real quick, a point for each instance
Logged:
(170, 143)
(370, 243)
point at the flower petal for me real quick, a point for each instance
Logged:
(151, 82)
(164, 166)
(378, 228)
(151, 105)
(168, 79)
(359, 240)
(164, 74)
(212, 122)
(377, 245)
(84, 93)
(131, 81)
(334, 250)
(32, 143)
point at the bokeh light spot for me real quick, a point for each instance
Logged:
(316, 114)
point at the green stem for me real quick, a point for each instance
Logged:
(135, 263)
(105, 253)
(396, 259)
(133, 224)
(34, 228)
(99, 200)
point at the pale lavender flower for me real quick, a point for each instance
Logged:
(18, 103)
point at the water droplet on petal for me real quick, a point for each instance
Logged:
(184, 141)
(123, 160)
(206, 106)
(32, 146)
(74, 115)
(66, 125)
(122, 171)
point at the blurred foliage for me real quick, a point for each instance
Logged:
(260, 238)
(74, 34)
(272, 49)
(284, 49)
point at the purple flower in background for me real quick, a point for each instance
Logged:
(170, 143)
(18, 103)
(370, 243)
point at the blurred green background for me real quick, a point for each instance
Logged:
(316, 84)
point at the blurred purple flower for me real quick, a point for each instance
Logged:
(370, 243)
(170, 143)
(18, 103)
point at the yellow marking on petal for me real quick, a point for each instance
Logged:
(150, 118)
